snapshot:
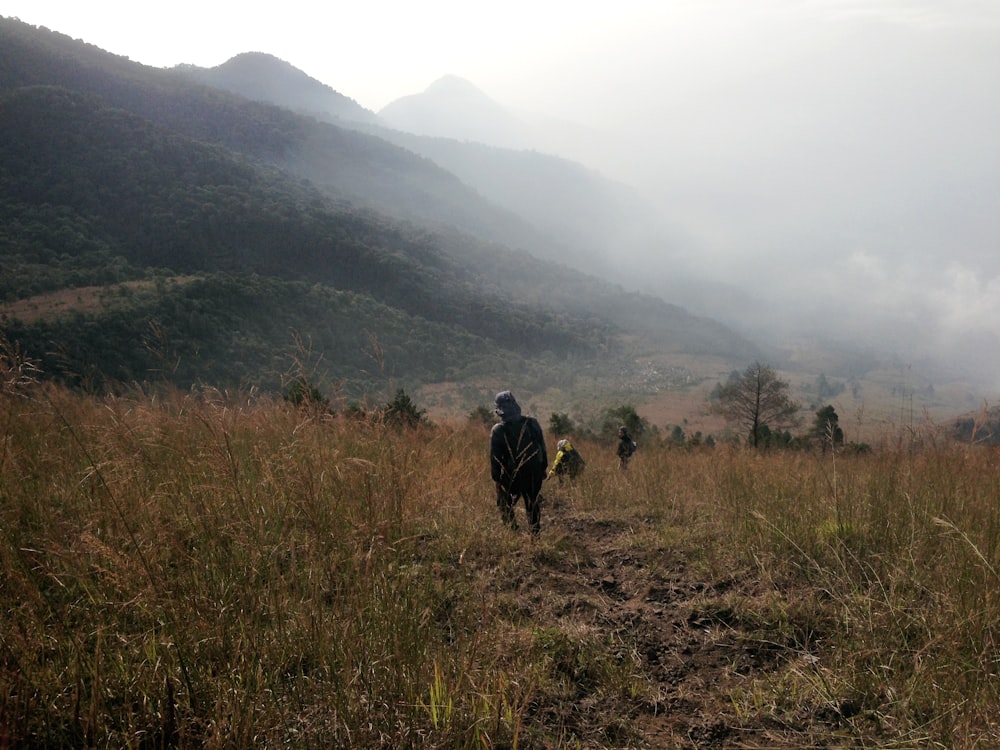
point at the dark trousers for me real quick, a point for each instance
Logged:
(530, 491)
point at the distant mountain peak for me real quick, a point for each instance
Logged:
(452, 107)
(264, 77)
(454, 85)
(257, 57)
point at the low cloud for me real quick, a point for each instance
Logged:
(846, 183)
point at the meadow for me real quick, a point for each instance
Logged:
(203, 569)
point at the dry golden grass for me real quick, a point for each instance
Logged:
(221, 570)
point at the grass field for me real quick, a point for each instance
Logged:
(222, 570)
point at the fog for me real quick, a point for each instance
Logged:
(840, 173)
(818, 167)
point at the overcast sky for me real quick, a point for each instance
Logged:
(840, 157)
(534, 53)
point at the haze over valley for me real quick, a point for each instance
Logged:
(847, 188)
(848, 194)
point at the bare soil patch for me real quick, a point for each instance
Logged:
(698, 654)
(84, 299)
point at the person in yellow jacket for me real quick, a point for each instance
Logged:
(568, 461)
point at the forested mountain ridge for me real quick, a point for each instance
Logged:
(595, 219)
(94, 191)
(352, 164)
(94, 195)
(265, 78)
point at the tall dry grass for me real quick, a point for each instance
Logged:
(222, 570)
(194, 569)
(903, 550)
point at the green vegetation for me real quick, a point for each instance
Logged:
(624, 415)
(826, 428)
(214, 230)
(263, 257)
(232, 330)
(401, 411)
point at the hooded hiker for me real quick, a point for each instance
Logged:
(517, 461)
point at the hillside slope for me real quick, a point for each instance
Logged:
(347, 163)
(265, 78)
(105, 183)
(596, 220)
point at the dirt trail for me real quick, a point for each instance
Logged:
(681, 630)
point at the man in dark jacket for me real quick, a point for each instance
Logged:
(517, 461)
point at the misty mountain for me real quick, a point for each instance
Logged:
(97, 195)
(265, 78)
(786, 194)
(503, 156)
(153, 225)
(454, 108)
(353, 165)
(592, 221)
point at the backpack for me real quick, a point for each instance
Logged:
(574, 462)
(524, 447)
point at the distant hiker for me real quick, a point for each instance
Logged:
(568, 461)
(626, 447)
(517, 461)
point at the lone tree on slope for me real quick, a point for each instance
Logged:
(827, 429)
(757, 399)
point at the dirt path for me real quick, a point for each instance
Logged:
(695, 651)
